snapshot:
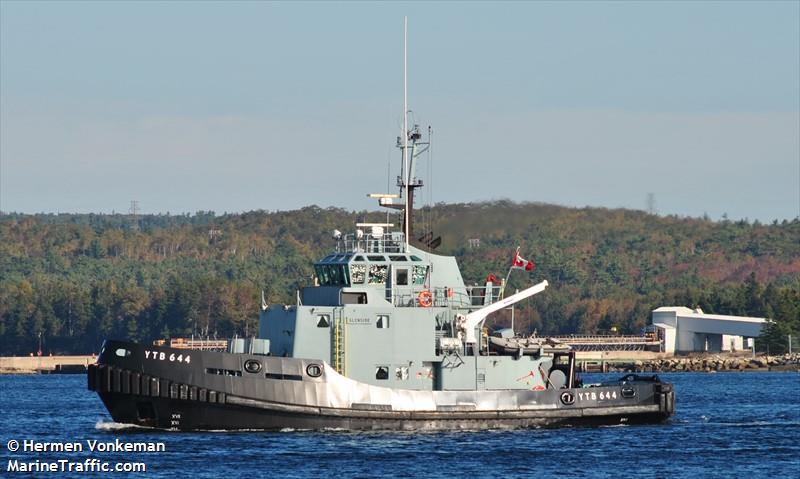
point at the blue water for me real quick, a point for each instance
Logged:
(742, 424)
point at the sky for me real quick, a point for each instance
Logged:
(239, 106)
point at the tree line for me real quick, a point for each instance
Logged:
(67, 281)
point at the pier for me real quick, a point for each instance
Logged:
(45, 364)
(644, 361)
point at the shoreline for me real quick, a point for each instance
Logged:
(705, 363)
(599, 362)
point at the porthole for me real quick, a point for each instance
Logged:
(314, 370)
(252, 366)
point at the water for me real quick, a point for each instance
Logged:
(746, 424)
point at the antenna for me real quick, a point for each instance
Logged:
(430, 181)
(651, 203)
(410, 145)
(406, 178)
(134, 211)
(388, 177)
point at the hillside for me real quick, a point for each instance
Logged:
(77, 279)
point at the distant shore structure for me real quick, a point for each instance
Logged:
(685, 330)
(651, 204)
(196, 344)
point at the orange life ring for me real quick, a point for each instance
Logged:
(425, 298)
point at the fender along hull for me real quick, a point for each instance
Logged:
(162, 395)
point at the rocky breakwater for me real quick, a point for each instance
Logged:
(713, 363)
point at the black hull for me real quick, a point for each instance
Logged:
(162, 395)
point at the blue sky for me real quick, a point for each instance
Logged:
(239, 106)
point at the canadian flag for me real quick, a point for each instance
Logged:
(521, 263)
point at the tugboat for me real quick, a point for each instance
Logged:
(388, 337)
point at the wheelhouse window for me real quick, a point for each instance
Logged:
(419, 275)
(358, 273)
(398, 258)
(377, 273)
(333, 271)
(322, 274)
(332, 274)
(376, 258)
(354, 298)
(402, 277)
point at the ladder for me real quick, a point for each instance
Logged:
(338, 349)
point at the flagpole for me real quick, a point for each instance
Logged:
(503, 291)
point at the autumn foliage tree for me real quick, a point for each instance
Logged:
(76, 279)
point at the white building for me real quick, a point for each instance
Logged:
(684, 330)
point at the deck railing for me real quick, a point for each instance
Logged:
(387, 243)
(443, 297)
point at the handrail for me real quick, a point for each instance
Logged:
(387, 243)
(442, 297)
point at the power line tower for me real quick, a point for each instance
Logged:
(651, 203)
(134, 212)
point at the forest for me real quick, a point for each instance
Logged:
(68, 281)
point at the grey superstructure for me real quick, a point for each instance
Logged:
(389, 314)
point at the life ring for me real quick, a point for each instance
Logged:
(425, 298)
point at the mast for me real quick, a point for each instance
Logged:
(406, 178)
(410, 145)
